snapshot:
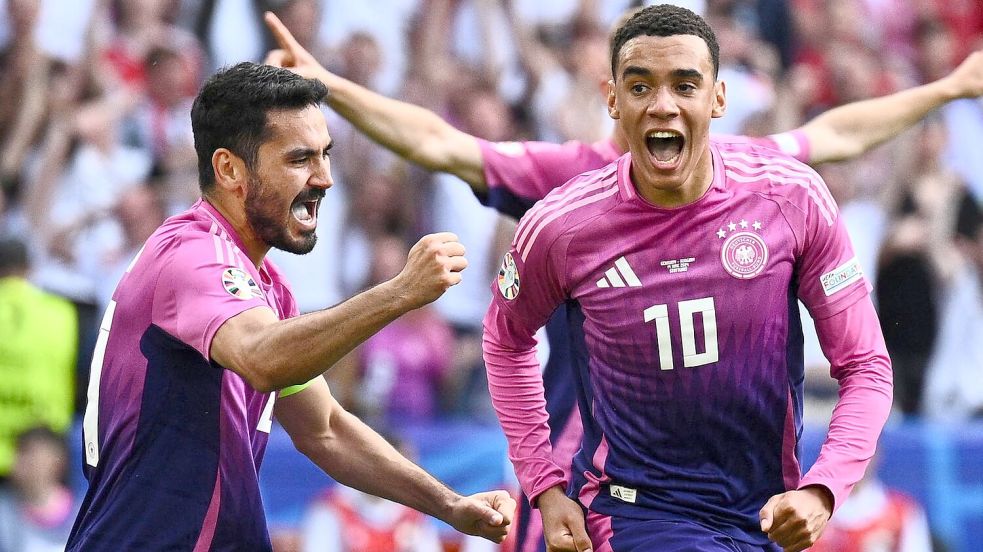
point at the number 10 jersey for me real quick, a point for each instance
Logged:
(686, 334)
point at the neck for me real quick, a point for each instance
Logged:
(253, 247)
(692, 189)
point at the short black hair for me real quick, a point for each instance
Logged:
(230, 110)
(664, 20)
(14, 258)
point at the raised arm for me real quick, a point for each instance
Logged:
(852, 129)
(272, 354)
(355, 455)
(412, 132)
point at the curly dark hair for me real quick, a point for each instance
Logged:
(230, 111)
(664, 20)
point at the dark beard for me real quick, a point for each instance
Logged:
(268, 225)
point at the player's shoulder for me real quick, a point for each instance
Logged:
(567, 209)
(575, 203)
(755, 152)
(182, 234)
(189, 239)
(756, 168)
(793, 143)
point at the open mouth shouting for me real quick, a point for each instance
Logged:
(665, 147)
(305, 209)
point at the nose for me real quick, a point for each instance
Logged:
(321, 176)
(663, 104)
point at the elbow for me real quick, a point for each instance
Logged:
(308, 445)
(259, 380)
(266, 379)
(265, 385)
(317, 441)
(841, 148)
(428, 156)
(256, 371)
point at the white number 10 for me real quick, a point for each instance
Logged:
(687, 311)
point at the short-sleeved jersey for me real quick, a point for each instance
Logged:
(173, 441)
(685, 328)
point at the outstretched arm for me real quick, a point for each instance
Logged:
(353, 454)
(852, 129)
(412, 132)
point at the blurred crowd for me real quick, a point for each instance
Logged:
(96, 150)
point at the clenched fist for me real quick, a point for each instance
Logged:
(433, 265)
(487, 515)
(795, 519)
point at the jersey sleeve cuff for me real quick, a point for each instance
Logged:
(838, 492)
(544, 486)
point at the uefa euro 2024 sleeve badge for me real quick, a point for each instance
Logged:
(508, 278)
(744, 253)
(240, 284)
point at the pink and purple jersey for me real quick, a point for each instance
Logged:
(686, 340)
(173, 441)
(518, 174)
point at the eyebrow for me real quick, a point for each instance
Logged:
(687, 74)
(300, 153)
(635, 70)
(676, 73)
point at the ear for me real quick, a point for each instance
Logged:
(229, 170)
(719, 99)
(613, 110)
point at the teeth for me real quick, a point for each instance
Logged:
(663, 134)
(299, 211)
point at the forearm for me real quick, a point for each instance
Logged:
(412, 132)
(392, 476)
(355, 455)
(852, 129)
(273, 354)
(853, 342)
(516, 386)
(270, 353)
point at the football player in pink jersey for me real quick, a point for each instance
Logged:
(512, 176)
(680, 265)
(202, 341)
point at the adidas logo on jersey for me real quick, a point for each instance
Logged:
(620, 275)
(626, 494)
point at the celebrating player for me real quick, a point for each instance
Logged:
(202, 333)
(512, 176)
(680, 265)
